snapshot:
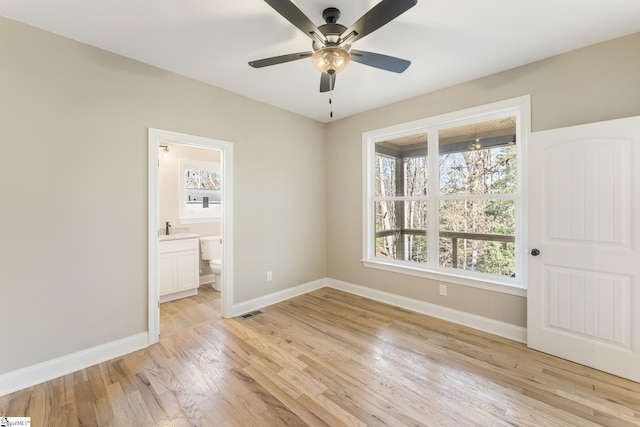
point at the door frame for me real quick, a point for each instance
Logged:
(155, 137)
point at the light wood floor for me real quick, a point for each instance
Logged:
(327, 358)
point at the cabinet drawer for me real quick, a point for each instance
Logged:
(179, 245)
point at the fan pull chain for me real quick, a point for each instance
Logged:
(330, 105)
(331, 97)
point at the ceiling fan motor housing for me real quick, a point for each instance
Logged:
(331, 15)
(331, 30)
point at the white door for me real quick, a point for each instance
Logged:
(583, 299)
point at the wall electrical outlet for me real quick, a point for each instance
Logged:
(269, 276)
(443, 289)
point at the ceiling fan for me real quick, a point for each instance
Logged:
(332, 41)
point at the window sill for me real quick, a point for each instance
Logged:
(458, 279)
(201, 220)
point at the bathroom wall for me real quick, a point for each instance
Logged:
(168, 179)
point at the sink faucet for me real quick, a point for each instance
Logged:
(167, 227)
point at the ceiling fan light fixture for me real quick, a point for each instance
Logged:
(331, 59)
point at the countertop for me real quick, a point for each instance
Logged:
(179, 236)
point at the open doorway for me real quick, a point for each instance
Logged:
(196, 155)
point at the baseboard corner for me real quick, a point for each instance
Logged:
(276, 297)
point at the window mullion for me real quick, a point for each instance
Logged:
(433, 201)
(400, 207)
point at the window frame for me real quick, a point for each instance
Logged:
(520, 108)
(187, 215)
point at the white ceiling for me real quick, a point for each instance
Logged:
(448, 42)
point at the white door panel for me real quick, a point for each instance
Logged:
(583, 298)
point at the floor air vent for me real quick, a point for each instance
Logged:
(253, 313)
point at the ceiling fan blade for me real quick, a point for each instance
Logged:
(379, 15)
(294, 15)
(279, 59)
(377, 60)
(327, 82)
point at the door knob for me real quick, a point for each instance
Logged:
(535, 252)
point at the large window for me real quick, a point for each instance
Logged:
(444, 196)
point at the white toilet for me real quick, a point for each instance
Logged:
(211, 250)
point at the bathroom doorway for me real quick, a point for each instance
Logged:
(198, 155)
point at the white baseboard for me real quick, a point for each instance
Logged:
(32, 375)
(496, 327)
(36, 374)
(502, 329)
(276, 297)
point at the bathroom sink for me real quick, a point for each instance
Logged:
(179, 236)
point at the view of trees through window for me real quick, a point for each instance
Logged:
(473, 204)
(401, 205)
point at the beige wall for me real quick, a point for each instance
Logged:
(592, 84)
(73, 205)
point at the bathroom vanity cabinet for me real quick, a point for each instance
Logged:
(179, 266)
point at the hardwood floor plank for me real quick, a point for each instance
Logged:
(330, 412)
(120, 406)
(305, 416)
(38, 407)
(142, 414)
(327, 358)
(362, 403)
(85, 404)
(68, 416)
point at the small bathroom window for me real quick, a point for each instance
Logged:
(200, 191)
